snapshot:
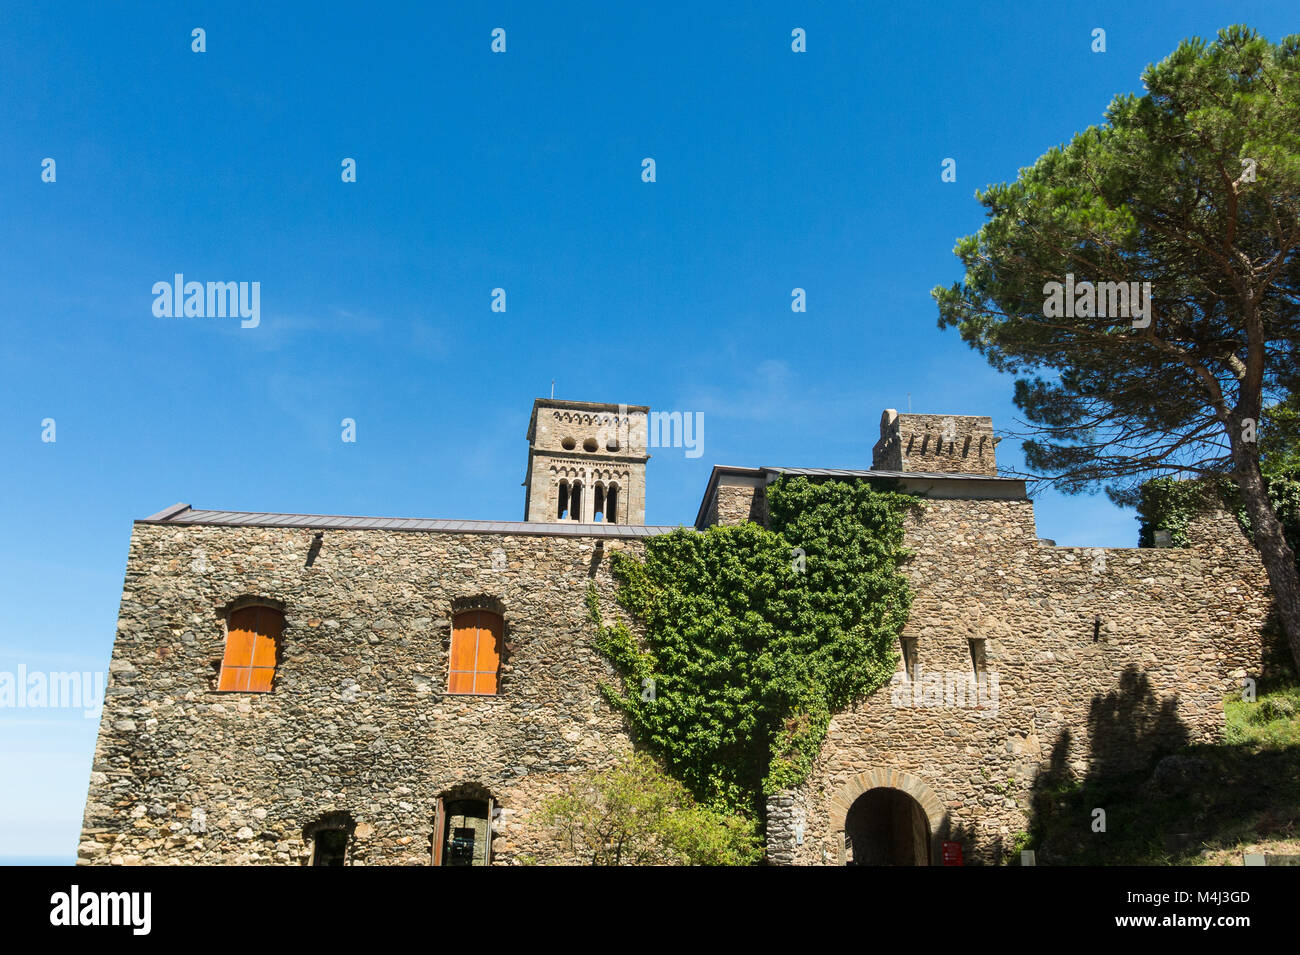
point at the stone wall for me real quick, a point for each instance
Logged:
(1102, 657)
(737, 503)
(1099, 657)
(358, 723)
(931, 443)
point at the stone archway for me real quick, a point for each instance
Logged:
(895, 812)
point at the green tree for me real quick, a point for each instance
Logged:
(1193, 187)
(636, 814)
(1279, 439)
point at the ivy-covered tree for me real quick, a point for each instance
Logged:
(1193, 188)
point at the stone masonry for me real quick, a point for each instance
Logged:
(1098, 657)
(962, 444)
(359, 721)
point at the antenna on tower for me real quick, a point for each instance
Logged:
(909, 400)
(552, 387)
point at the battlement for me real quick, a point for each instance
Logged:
(936, 444)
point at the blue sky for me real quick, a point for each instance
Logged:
(476, 170)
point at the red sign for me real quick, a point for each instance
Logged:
(952, 853)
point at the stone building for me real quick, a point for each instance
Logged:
(306, 689)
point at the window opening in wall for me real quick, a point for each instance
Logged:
(598, 504)
(252, 638)
(562, 510)
(475, 652)
(909, 657)
(330, 847)
(611, 504)
(575, 501)
(465, 832)
(977, 656)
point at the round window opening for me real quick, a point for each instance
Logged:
(589, 444)
(568, 444)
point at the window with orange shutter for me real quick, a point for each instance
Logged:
(252, 636)
(475, 652)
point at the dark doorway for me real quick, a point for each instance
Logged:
(331, 847)
(886, 827)
(467, 833)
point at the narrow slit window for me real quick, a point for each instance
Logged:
(575, 502)
(562, 510)
(598, 504)
(611, 504)
(977, 661)
(909, 657)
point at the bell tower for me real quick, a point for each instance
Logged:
(586, 463)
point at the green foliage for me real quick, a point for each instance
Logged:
(748, 648)
(635, 814)
(1155, 194)
(1169, 504)
(1274, 708)
(1271, 720)
(1244, 799)
(1279, 451)
(1021, 841)
(1279, 439)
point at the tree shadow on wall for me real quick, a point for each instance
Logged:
(1130, 728)
(1074, 818)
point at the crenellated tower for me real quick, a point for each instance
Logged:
(936, 444)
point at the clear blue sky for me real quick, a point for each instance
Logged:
(522, 171)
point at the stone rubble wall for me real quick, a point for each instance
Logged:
(1101, 655)
(737, 503)
(954, 444)
(358, 721)
(1177, 630)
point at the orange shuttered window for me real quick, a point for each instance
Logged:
(252, 634)
(475, 652)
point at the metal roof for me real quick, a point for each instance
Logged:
(184, 514)
(920, 475)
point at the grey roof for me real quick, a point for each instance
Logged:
(920, 475)
(184, 514)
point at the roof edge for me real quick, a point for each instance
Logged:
(166, 514)
(184, 515)
(718, 470)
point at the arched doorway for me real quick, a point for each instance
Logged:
(462, 826)
(886, 827)
(882, 803)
